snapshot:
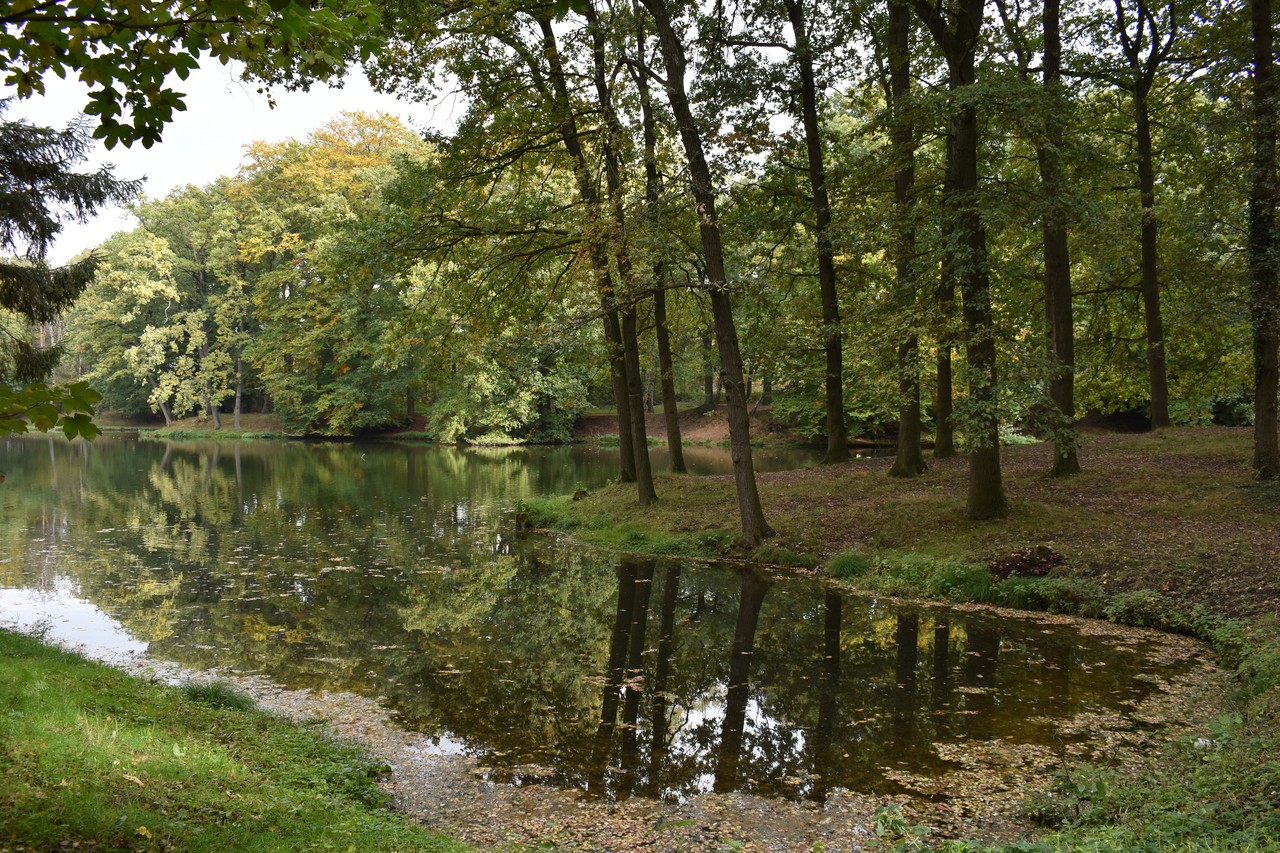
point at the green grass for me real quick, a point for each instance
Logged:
(175, 434)
(92, 758)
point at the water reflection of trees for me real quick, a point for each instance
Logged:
(383, 570)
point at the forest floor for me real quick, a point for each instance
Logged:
(1175, 512)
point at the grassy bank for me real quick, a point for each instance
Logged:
(1165, 530)
(91, 758)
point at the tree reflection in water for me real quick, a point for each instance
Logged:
(389, 571)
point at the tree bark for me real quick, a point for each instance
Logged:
(1263, 247)
(653, 198)
(621, 399)
(968, 257)
(1144, 70)
(708, 376)
(599, 258)
(1157, 370)
(613, 132)
(832, 343)
(1057, 256)
(645, 493)
(754, 527)
(235, 412)
(670, 406)
(909, 461)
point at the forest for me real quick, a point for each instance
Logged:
(952, 224)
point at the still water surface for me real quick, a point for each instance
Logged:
(393, 571)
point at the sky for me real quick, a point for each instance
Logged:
(206, 140)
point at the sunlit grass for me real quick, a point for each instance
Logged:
(91, 757)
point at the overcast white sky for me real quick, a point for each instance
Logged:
(205, 141)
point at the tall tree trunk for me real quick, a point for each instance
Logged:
(235, 412)
(1057, 254)
(754, 527)
(944, 445)
(653, 198)
(1263, 246)
(613, 134)
(670, 406)
(635, 404)
(832, 344)
(968, 256)
(708, 374)
(1157, 371)
(910, 458)
(621, 399)
(599, 256)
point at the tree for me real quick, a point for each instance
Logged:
(1263, 244)
(754, 527)
(38, 190)
(124, 50)
(955, 30)
(1146, 43)
(910, 458)
(837, 437)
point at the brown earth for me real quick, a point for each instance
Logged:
(1176, 511)
(696, 427)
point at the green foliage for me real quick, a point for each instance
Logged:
(124, 50)
(218, 694)
(1072, 596)
(1146, 608)
(915, 575)
(68, 408)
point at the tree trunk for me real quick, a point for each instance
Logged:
(670, 406)
(653, 198)
(967, 256)
(1263, 246)
(708, 376)
(1156, 369)
(635, 403)
(599, 257)
(986, 497)
(1057, 256)
(235, 411)
(837, 434)
(621, 399)
(613, 181)
(910, 459)
(754, 527)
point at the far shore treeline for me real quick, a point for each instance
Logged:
(952, 223)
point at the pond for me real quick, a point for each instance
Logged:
(392, 571)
